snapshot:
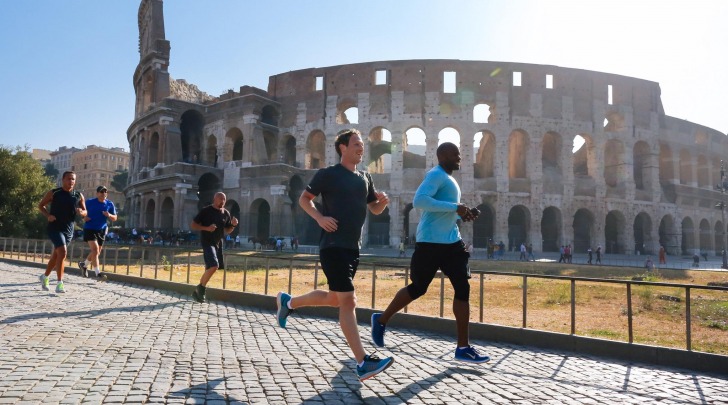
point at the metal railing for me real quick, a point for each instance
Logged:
(122, 259)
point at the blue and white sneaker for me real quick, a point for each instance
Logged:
(377, 330)
(372, 366)
(283, 311)
(471, 355)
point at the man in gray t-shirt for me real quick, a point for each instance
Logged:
(346, 195)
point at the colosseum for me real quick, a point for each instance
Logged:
(551, 156)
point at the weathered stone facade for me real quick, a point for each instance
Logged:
(641, 179)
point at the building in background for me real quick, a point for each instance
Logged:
(96, 166)
(61, 160)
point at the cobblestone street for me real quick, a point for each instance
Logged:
(120, 343)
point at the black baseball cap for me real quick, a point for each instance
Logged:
(100, 189)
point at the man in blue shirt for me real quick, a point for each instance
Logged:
(439, 246)
(100, 211)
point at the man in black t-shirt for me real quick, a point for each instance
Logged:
(346, 195)
(213, 222)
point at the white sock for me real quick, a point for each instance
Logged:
(86, 263)
(360, 364)
(97, 271)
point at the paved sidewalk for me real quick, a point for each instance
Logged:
(115, 342)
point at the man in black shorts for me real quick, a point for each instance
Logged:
(439, 246)
(213, 222)
(100, 211)
(65, 203)
(346, 194)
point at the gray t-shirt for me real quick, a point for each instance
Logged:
(345, 195)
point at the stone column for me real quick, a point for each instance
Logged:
(180, 192)
(157, 210)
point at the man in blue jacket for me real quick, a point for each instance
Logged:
(100, 211)
(439, 246)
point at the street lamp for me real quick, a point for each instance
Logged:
(722, 187)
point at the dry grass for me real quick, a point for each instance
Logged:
(601, 308)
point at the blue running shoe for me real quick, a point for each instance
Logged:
(283, 310)
(377, 330)
(470, 355)
(372, 366)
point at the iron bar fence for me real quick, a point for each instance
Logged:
(277, 273)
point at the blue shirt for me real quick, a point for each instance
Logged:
(95, 208)
(438, 197)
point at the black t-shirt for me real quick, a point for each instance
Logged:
(63, 207)
(345, 195)
(210, 215)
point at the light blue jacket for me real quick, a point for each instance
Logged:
(438, 197)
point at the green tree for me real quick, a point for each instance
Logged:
(23, 183)
(121, 178)
(51, 171)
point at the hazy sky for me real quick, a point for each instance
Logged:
(66, 68)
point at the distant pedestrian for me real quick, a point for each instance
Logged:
(662, 255)
(522, 249)
(529, 250)
(401, 249)
(589, 253)
(213, 221)
(562, 259)
(65, 204)
(599, 254)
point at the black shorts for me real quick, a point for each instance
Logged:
(213, 257)
(452, 259)
(98, 236)
(339, 266)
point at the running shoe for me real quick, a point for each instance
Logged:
(199, 294)
(377, 330)
(471, 355)
(60, 288)
(102, 277)
(372, 366)
(283, 311)
(84, 269)
(44, 282)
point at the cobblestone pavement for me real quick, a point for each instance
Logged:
(115, 342)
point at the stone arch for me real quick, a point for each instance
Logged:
(378, 234)
(259, 223)
(641, 166)
(686, 165)
(153, 150)
(192, 124)
(233, 145)
(414, 148)
(288, 146)
(518, 142)
(484, 151)
(166, 222)
(614, 122)
(551, 225)
(667, 173)
(687, 244)
(484, 226)
(613, 162)
(669, 238)
(234, 208)
(642, 230)
(304, 227)
(316, 150)
(271, 146)
(448, 134)
(703, 171)
(551, 154)
(149, 213)
(718, 237)
(583, 230)
(347, 112)
(519, 220)
(269, 115)
(706, 236)
(207, 186)
(482, 113)
(211, 151)
(582, 143)
(380, 150)
(614, 232)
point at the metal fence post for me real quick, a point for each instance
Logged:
(629, 312)
(442, 294)
(267, 271)
(189, 260)
(688, 321)
(525, 300)
(482, 298)
(374, 286)
(290, 276)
